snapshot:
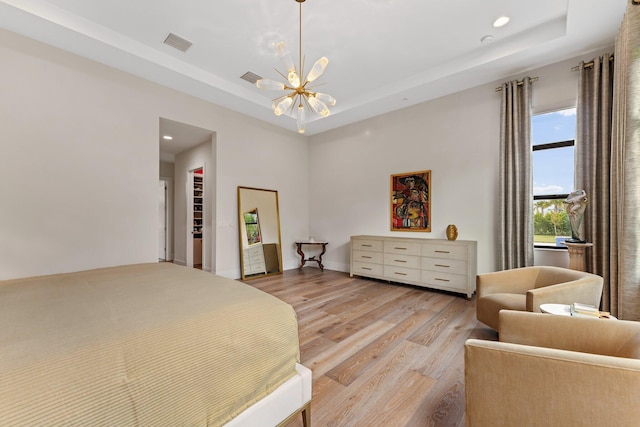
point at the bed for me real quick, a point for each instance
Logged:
(147, 345)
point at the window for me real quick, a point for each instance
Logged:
(553, 137)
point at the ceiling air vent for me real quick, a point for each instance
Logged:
(250, 77)
(177, 42)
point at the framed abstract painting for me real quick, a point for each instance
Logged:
(410, 201)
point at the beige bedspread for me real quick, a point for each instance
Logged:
(147, 345)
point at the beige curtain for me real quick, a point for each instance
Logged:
(623, 294)
(593, 160)
(608, 167)
(516, 181)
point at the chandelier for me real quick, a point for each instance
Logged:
(298, 93)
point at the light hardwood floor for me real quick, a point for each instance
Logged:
(381, 354)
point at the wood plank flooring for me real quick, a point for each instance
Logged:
(381, 354)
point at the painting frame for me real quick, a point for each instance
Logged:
(411, 201)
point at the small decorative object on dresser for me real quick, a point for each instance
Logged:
(432, 263)
(452, 232)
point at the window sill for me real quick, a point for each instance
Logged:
(550, 247)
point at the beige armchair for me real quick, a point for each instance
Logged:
(552, 370)
(525, 289)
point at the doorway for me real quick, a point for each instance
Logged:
(183, 150)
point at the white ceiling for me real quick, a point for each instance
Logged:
(383, 54)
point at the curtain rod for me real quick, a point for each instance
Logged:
(520, 83)
(589, 64)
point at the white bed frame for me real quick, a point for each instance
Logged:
(290, 399)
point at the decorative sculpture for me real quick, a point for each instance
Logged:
(575, 204)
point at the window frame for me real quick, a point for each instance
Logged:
(551, 146)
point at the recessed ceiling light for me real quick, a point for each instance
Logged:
(501, 22)
(167, 137)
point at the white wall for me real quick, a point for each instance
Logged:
(456, 137)
(79, 166)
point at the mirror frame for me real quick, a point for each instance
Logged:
(242, 191)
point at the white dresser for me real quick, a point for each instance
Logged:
(433, 263)
(254, 260)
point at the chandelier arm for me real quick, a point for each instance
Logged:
(294, 104)
(283, 76)
(281, 97)
(307, 106)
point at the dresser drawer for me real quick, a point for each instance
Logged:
(366, 269)
(444, 251)
(256, 268)
(257, 258)
(405, 248)
(371, 257)
(453, 266)
(454, 281)
(254, 251)
(366, 245)
(401, 274)
(399, 260)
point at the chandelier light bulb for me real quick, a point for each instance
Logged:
(268, 84)
(317, 69)
(285, 55)
(318, 106)
(294, 79)
(301, 119)
(281, 106)
(327, 99)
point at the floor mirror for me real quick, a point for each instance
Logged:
(259, 225)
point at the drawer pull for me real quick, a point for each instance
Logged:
(399, 274)
(442, 252)
(400, 260)
(404, 249)
(366, 268)
(442, 265)
(442, 280)
(366, 246)
(367, 257)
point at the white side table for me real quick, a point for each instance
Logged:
(557, 309)
(561, 310)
